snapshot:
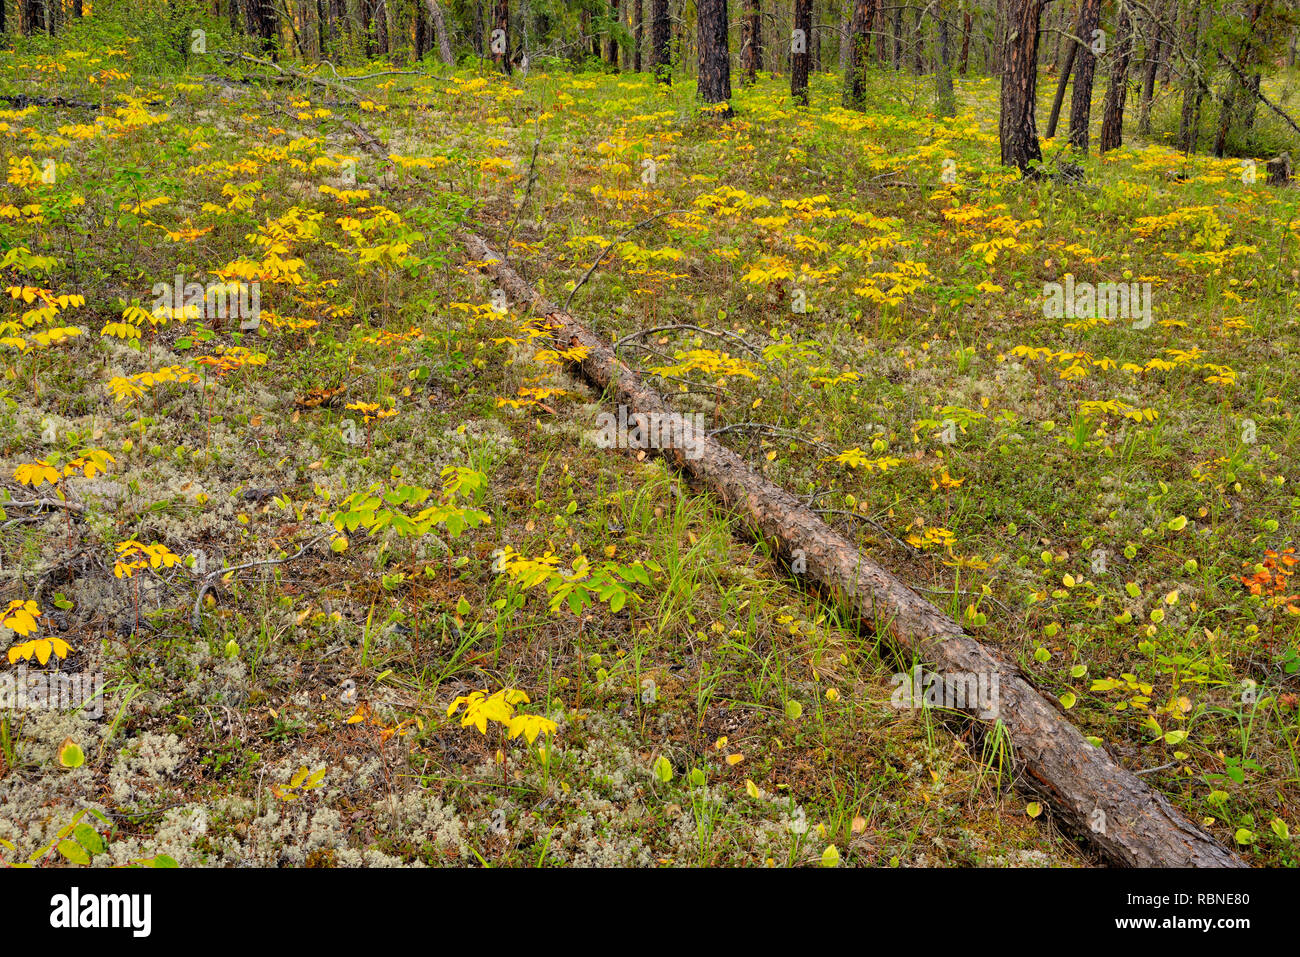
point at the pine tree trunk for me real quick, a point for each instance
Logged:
(945, 96)
(1017, 131)
(1193, 88)
(1233, 96)
(799, 53)
(1089, 792)
(1112, 119)
(1155, 48)
(751, 39)
(440, 30)
(499, 43)
(965, 42)
(639, 22)
(897, 28)
(659, 28)
(1071, 56)
(715, 59)
(611, 41)
(1085, 67)
(859, 51)
(918, 54)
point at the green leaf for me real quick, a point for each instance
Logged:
(1067, 700)
(74, 852)
(89, 838)
(663, 769)
(71, 755)
(831, 856)
(793, 710)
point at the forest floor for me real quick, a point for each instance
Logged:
(1109, 501)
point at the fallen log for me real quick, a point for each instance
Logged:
(1129, 823)
(22, 101)
(1093, 797)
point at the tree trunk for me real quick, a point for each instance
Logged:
(1194, 88)
(659, 31)
(1017, 131)
(1070, 56)
(896, 62)
(965, 42)
(1233, 95)
(1090, 794)
(751, 40)
(440, 30)
(855, 74)
(639, 32)
(611, 42)
(1155, 48)
(1112, 119)
(799, 53)
(1085, 67)
(945, 96)
(499, 40)
(263, 22)
(715, 59)
(918, 53)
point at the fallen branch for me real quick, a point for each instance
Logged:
(1258, 94)
(211, 578)
(22, 101)
(1129, 823)
(297, 75)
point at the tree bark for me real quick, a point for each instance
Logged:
(965, 42)
(611, 42)
(499, 43)
(1189, 125)
(799, 58)
(1017, 130)
(1125, 820)
(1155, 48)
(659, 33)
(896, 61)
(918, 52)
(440, 30)
(1085, 67)
(1112, 119)
(638, 33)
(1066, 69)
(859, 51)
(715, 59)
(945, 96)
(751, 39)
(1233, 95)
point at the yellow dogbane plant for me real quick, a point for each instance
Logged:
(20, 617)
(499, 707)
